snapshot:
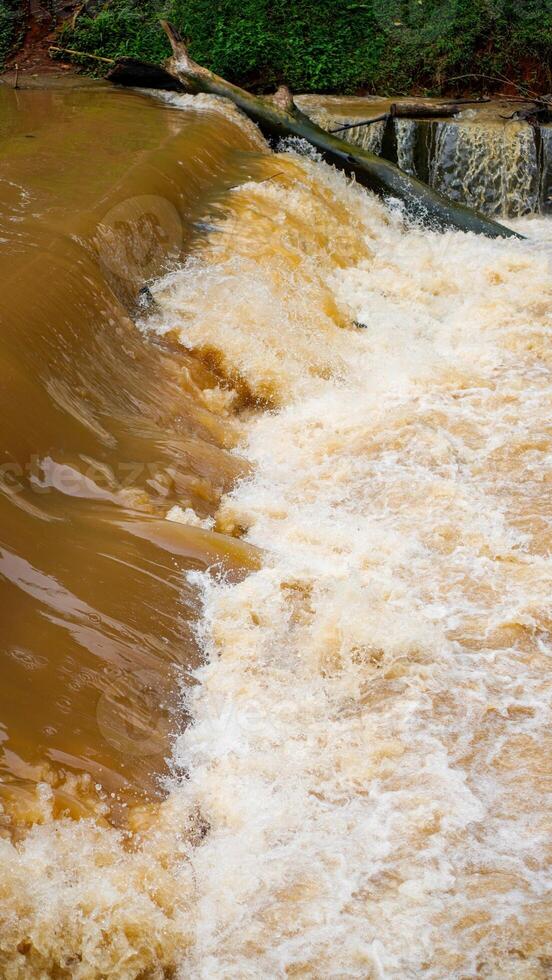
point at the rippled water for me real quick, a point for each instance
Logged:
(101, 432)
(364, 790)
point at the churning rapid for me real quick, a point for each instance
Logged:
(364, 787)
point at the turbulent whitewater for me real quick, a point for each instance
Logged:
(365, 788)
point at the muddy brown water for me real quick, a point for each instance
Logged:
(102, 431)
(364, 788)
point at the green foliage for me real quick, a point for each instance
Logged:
(336, 45)
(122, 29)
(313, 45)
(11, 24)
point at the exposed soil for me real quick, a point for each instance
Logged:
(43, 19)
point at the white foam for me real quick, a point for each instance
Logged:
(187, 515)
(370, 744)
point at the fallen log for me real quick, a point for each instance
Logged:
(278, 116)
(420, 109)
(414, 110)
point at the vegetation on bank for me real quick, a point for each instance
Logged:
(392, 46)
(11, 26)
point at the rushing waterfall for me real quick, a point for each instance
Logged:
(357, 412)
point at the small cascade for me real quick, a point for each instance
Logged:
(501, 167)
(491, 166)
(368, 137)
